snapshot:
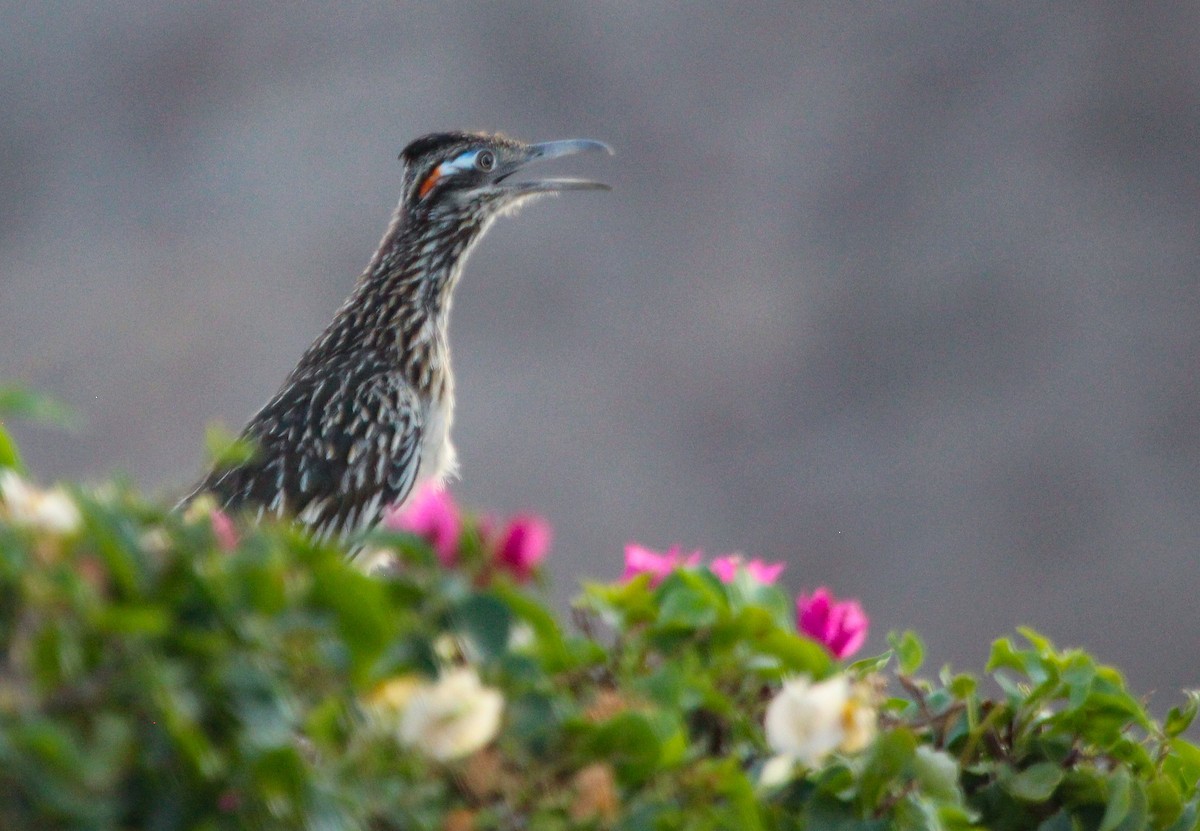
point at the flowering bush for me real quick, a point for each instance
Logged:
(192, 671)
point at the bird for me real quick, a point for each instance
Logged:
(364, 418)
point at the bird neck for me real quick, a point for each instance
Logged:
(400, 307)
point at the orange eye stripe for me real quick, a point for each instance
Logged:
(429, 182)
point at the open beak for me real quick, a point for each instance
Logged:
(552, 150)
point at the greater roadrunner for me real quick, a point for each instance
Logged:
(365, 416)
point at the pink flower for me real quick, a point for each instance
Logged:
(726, 569)
(640, 560)
(840, 625)
(765, 573)
(522, 545)
(431, 513)
(223, 530)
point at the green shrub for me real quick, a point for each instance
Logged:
(164, 671)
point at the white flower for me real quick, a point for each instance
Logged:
(388, 700)
(452, 718)
(776, 771)
(50, 510)
(806, 722)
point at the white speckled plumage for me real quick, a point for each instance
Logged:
(366, 414)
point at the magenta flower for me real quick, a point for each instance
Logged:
(839, 624)
(641, 560)
(223, 530)
(726, 569)
(431, 513)
(523, 544)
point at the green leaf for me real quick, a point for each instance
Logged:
(115, 536)
(1004, 656)
(1165, 801)
(1119, 800)
(1183, 763)
(133, 620)
(1059, 821)
(486, 621)
(225, 449)
(890, 755)
(955, 818)
(325, 722)
(18, 402)
(1187, 821)
(1043, 673)
(1036, 783)
(261, 705)
(915, 813)
(741, 807)
(910, 652)
(937, 773)
(797, 654)
(358, 605)
(556, 652)
(630, 744)
(621, 604)
(652, 816)
(412, 652)
(1083, 787)
(48, 742)
(1180, 719)
(747, 625)
(1079, 674)
(673, 684)
(281, 775)
(1041, 643)
(672, 737)
(533, 720)
(688, 601)
(825, 812)
(10, 457)
(113, 740)
(55, 654)
(745, 592)
(1014, 692)
(1138, 814)
(962, 685)
(871, 665)
(1105, 715)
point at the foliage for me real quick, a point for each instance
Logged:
(161, 671)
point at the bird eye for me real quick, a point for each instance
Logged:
(485, 160)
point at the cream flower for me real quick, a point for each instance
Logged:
(453, 717)
(859, 720)
(49, 510)
(389, 699)
(805, 722)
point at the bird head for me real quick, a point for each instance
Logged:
(471, 174)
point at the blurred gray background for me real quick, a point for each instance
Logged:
(905, 294)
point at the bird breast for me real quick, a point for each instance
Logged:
(439, 461)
